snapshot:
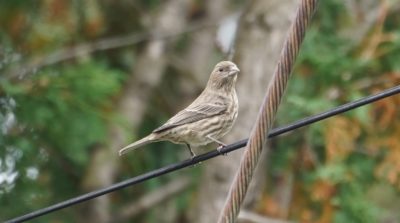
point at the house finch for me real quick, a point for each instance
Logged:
(207, 119)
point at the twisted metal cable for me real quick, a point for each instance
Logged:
(267, 111)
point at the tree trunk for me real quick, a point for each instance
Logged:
(262, 30)
(132, 104)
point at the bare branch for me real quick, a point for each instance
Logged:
(102, 44)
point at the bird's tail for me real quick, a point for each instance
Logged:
(146, 140)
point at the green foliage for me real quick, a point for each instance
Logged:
(51, 120)
(66, 107)
(61, 113)
(328, 72)
(355, 206)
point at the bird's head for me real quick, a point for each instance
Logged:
(224, 75)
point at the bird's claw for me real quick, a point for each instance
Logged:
(219, 148)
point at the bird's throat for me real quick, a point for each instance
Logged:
(226, 84)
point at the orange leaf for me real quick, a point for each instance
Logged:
(340, 137)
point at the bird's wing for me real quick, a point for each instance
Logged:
(192, 114)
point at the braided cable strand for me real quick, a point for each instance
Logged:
(267, 111)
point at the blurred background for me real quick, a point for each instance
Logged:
(81, 79)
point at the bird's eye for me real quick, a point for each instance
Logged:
(220, 70)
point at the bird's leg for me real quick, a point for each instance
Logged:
(216, 140)
(192, 154)
(221, 144)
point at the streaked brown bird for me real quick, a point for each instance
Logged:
(207, 119)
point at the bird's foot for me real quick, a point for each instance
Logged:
(219, 149)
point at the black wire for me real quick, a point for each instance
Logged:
(206, 156)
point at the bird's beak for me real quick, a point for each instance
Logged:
(234, 70)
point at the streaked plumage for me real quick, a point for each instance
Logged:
(205, 120)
